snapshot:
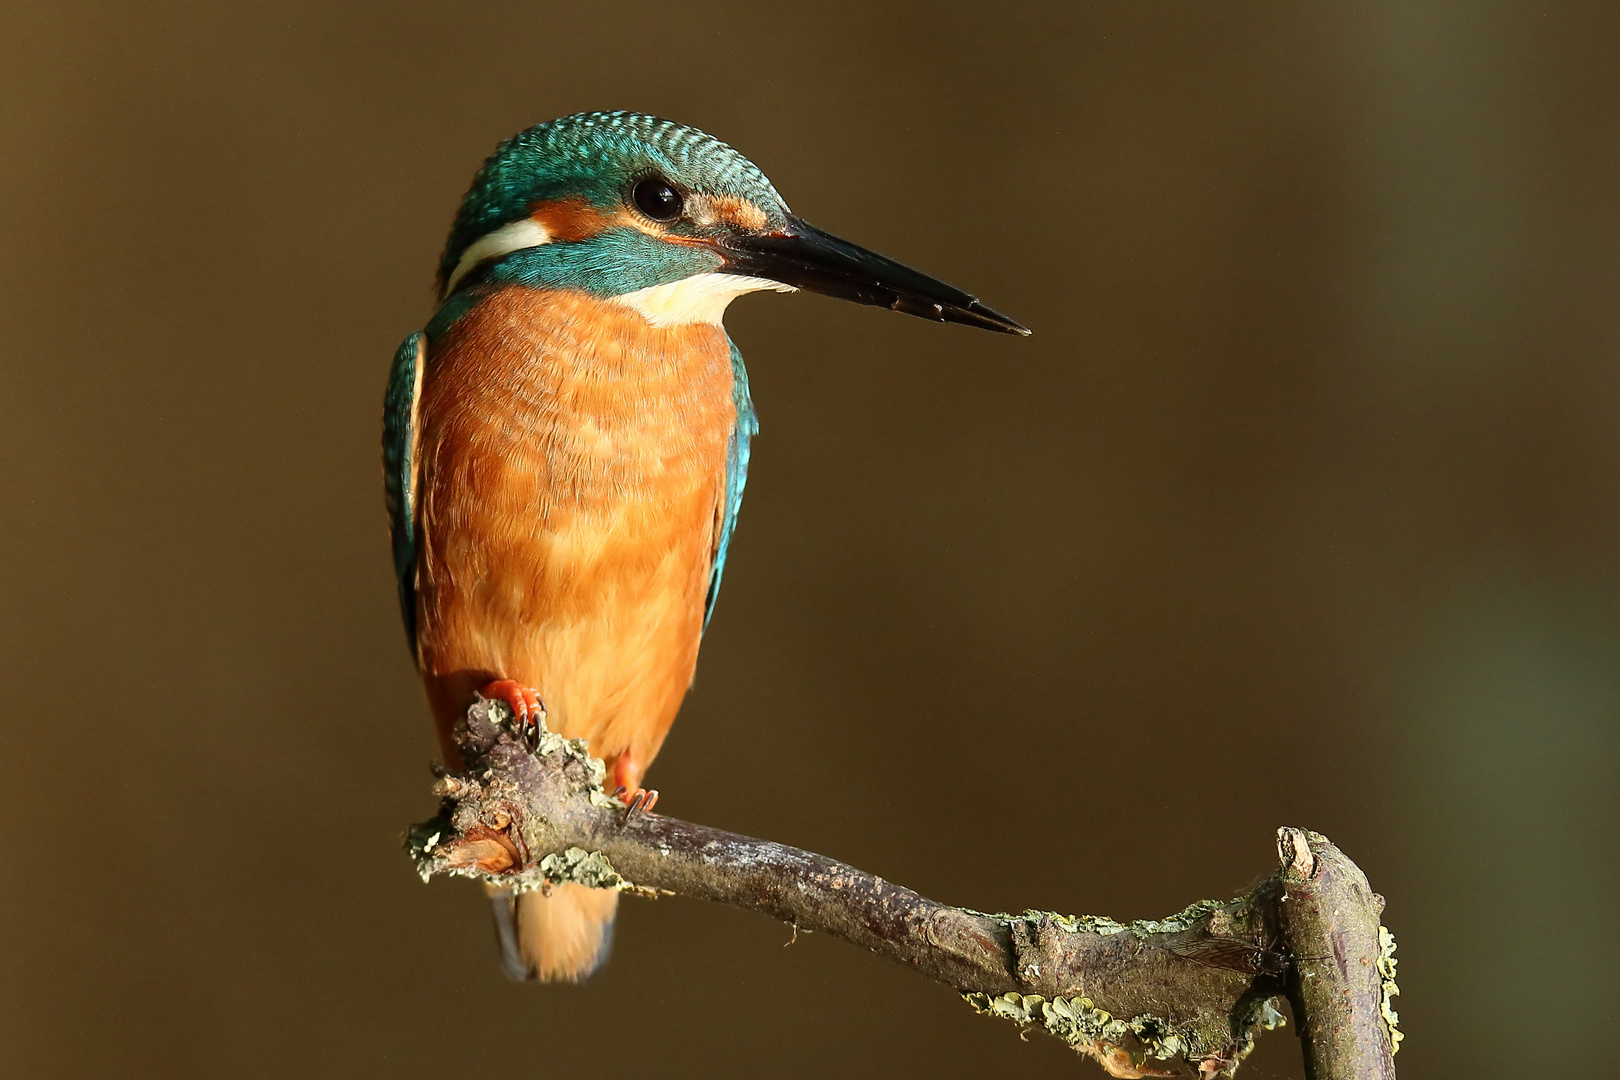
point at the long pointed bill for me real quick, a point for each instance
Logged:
(806, 258)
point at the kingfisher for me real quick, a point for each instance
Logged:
(565, 446)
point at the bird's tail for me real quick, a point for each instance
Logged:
(564, 937)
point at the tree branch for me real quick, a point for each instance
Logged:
(1343, 972)
(1149, 998)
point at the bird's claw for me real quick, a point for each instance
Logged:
(642, 799)
(528, 711)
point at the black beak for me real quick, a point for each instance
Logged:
(803, 256)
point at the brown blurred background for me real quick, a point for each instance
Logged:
(1301, 507)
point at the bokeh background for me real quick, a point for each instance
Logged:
(1301, 507)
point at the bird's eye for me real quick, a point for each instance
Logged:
(655, 198)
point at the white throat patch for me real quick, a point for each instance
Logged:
(701, 298)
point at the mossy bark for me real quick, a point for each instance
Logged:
(1157, 997)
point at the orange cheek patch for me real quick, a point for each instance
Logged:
(737, 212)
(572, 219)
(576, 219)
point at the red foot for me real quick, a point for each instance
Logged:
(528, 711)
(627, 774)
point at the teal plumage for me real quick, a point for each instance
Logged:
(399, 433)
(613, 262)
(736, 473)
(590, 156)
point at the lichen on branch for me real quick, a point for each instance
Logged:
(1182, 995)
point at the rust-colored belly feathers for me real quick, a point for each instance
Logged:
(573, 465)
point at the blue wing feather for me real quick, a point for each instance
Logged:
(736, 473)
(399, 447)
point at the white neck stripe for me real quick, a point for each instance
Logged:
(524, 233)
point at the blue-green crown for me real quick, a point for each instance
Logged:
(597, 156)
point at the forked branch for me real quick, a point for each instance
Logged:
(1167, 997)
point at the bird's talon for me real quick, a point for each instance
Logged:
(528, 711)
(640, 799)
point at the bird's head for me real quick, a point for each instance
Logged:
(667, 219)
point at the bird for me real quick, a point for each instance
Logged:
(566, 443)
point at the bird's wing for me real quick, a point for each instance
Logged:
(736, 475)
(399, 469)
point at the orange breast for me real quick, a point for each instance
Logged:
(572, 476)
